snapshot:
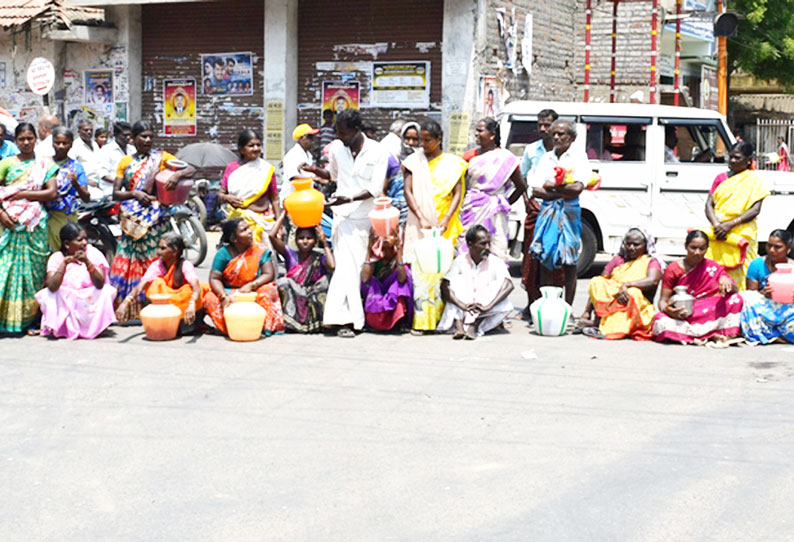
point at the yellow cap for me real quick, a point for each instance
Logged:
(302, 130)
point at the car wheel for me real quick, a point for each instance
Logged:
(587, 252)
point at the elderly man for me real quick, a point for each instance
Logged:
(359, 166)
(559, 178)
(44, 148)
(530, 268)
(7, 147)
(393, 140)
(84, 150)
(475, 289)
(298, 156)
(111, 153)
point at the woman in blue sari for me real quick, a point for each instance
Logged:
(72, 187)
(764, 320)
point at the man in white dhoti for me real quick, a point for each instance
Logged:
(475, 289)
(358, 164)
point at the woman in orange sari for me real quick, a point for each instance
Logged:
(242, 265)
(170, 274)
(622, 297)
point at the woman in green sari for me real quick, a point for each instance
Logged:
(25, 183)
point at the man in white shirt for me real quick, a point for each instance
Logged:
(111, 153)
(44, 148)
(359, 166)
(475, 289)
(559, 178)
(84, 150)
(299, 155)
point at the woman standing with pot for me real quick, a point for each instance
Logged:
(434, 186)
(143, 218)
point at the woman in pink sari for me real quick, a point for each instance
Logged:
(717, 307)
(305, 287)
(78, 301)
(493, 183)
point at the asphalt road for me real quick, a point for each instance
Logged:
(388, 437)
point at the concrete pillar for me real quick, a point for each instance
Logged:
(281, 72)
(127, 19)
(458, 80)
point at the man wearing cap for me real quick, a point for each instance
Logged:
(298, 156)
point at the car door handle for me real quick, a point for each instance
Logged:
(672, 174)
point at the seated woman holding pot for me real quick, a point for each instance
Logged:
(243, 265)
(764, 320)
(386, 286)
(169, 274)
(711, 308)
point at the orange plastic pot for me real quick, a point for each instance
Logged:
(305, 205)
(384, 218)
(244, 318)
(160, 319)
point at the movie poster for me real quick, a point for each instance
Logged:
(227, 74)
(179, 107)
(98, 87)
(340, 95)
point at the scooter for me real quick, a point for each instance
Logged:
(100, 220)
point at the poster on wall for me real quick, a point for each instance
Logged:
(179, 107)
(709, 93)
(340, 95)
(98, 87)
(491, 96)
(227, 74)
(400, 84)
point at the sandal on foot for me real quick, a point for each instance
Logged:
(592, 332)
(346, 333)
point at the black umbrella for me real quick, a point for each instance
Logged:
(206, 155)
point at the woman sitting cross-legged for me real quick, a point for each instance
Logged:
(386, 285)
(242, 265)
(622, 296)
(304, 289)
(717, 306)
(169, 274)
(475, 289)
(763, 319)
(78, 300)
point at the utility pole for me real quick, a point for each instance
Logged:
(722, 68)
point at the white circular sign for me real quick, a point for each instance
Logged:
(40, 76)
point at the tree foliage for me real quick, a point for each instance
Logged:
(764, 47)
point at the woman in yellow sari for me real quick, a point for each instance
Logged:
(170, 274)
(622, 296)
(248, 187)
(434, 186)
(732, 207)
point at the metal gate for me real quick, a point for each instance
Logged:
(765, 141)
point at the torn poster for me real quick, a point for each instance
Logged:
(507, 31)
(526, 45)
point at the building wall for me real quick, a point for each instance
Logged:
(70, 59)
(340, 41)
(552, 49)
(633, 50)
(172, 48)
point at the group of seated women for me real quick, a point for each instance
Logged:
(620, 301)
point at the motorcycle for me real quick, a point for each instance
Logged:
(100, 220)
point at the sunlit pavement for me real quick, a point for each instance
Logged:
(394, 437)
